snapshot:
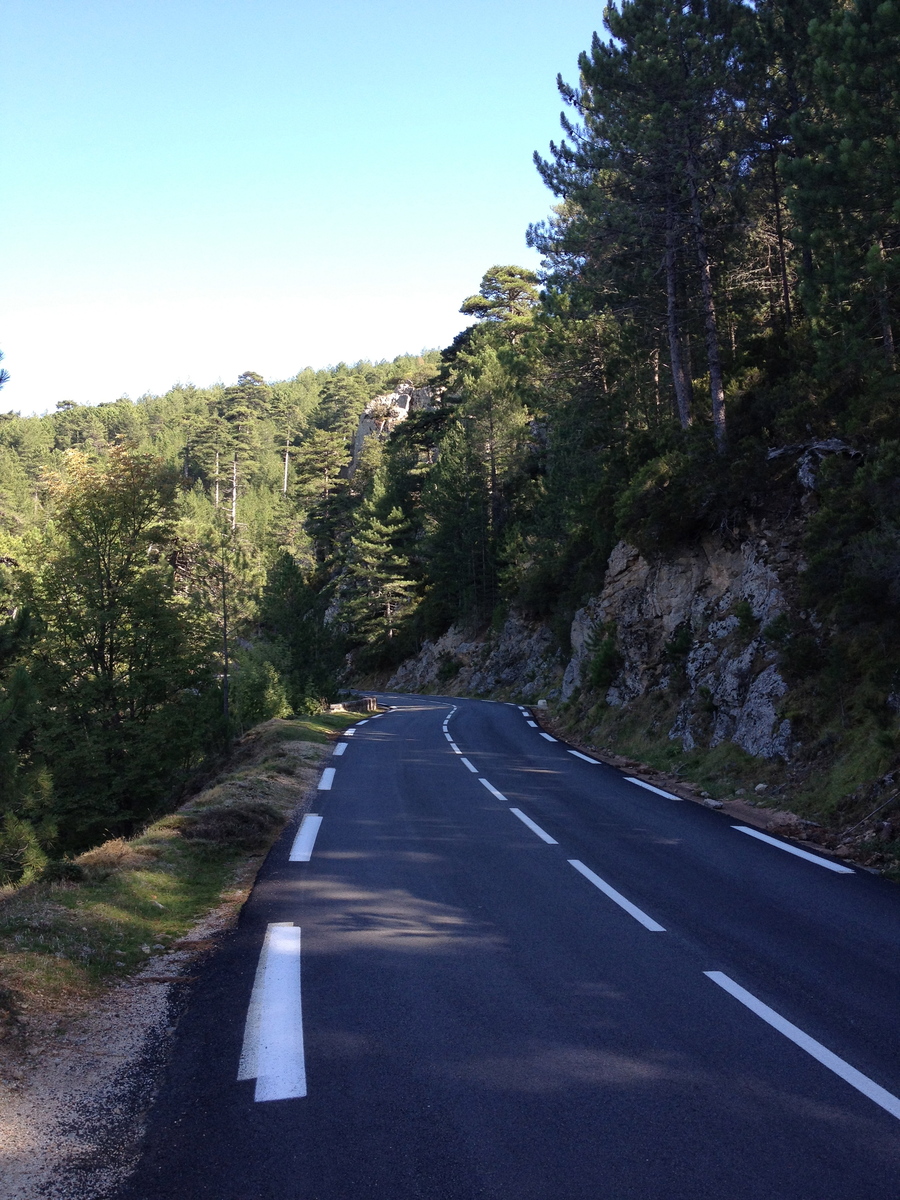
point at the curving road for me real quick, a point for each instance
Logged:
(524, 977)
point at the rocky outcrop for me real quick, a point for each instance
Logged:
(383, 414)
(691, 623)
(521, 659)
(687, 626)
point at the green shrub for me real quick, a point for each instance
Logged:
(22, 858)
(605, 659)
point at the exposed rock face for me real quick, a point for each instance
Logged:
(383, 414)
(689, 624)
(700, 613)
(520, 658)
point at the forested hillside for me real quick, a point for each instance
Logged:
(720, 280)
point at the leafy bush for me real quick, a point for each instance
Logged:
(22, 858)
(605, 659)
(258, 691)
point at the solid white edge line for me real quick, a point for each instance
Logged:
(490, 787)
(281, 1066)
(548, 737)
(248, 1067)
(619, 899)
(534, 828)
(651, 788)
(339, 749)
(813, 858)
(302, 849)
(327, 779)
(856, 1079)
(474, 770)
(533, 724)
(272, 1050)
(585, 758)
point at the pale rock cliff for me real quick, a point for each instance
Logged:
(731, 673)
(520, 658)
(689, 624)
(383, 414)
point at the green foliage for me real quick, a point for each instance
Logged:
(258, 691)
(604, 657)
(22, 857)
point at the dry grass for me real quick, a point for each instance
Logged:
(62, 943)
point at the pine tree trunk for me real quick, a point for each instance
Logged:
(713, 358)
(234, 478)
(679, 379)
(779, 231)
(284, 485)
(884, 313)
(217, 479)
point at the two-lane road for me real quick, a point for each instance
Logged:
(495, 969)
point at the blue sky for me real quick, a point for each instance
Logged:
(194, 188)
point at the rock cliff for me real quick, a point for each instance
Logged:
(687, 627)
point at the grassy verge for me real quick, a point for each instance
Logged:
(844, 788)
(62, 942)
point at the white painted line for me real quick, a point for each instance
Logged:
(651, 788)
(272, 1052)
(349, 732)
(474, 770)
(605, 888)
(533, 724)
(449, 737)
(339, 749)
(522, 708)
(856, 1079)
(490, 787)
(813, 858)
(548, 737)
(327, 780)
(578, 754)
(358, 723)
(455, 748)
(534, 828)
(302, 849)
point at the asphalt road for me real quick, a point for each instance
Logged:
(559, 986)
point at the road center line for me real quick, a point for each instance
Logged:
(651, 788)
(339, 749)
(302, 849)
(578, 754)
(272, 1052)
(619, 899)
(455, 748)
(449, 737)
(517, 812)
(490, 787)
(327, 780)
(548, 737)
(813, 858)
(856, 1079)
(474, 770)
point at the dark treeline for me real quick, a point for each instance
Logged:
(720, 277)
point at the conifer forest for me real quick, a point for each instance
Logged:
(720, 280)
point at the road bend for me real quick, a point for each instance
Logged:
(488, 967)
